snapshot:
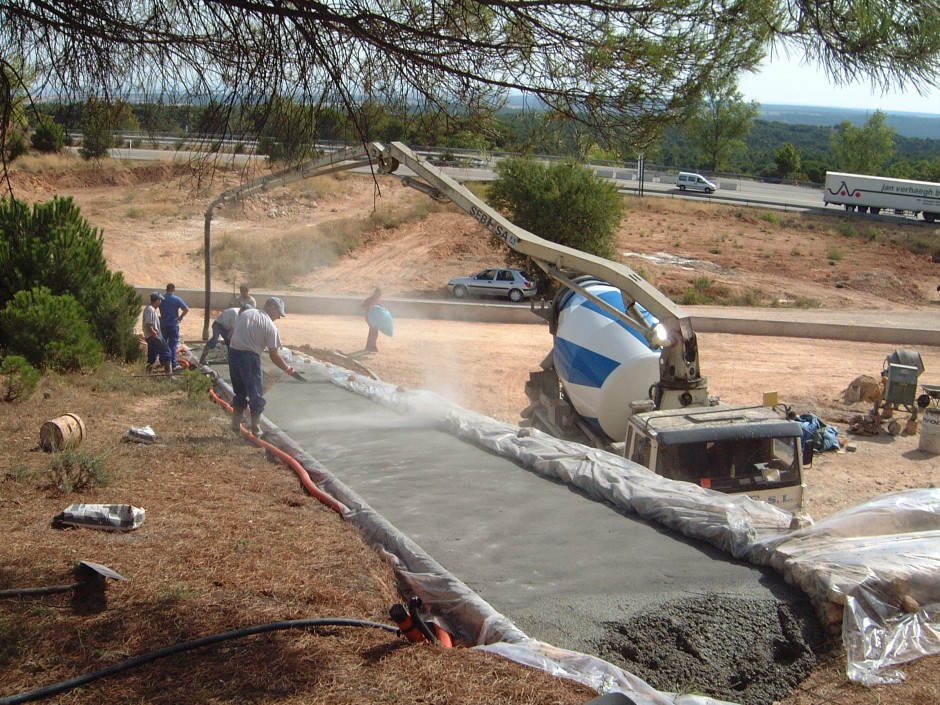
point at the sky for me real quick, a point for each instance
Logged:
(783, 81)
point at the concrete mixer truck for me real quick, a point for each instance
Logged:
(623, 373)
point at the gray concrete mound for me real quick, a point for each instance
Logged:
(751, 651)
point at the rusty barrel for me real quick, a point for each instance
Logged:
(66, 431)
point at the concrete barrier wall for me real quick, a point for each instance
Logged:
(444, 309)
(822, 325)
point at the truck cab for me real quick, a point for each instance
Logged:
(736, 450)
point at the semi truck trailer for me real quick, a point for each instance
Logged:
(874, 194)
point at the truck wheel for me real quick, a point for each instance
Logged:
(930, 217)
(681, 187)
(460, 291)
(515, 295)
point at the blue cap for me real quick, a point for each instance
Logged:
(276, 302)
(156, 296)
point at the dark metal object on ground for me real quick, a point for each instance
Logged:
(91, 577)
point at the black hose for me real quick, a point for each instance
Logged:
(413, 604)
(51, 590)
(56, 688)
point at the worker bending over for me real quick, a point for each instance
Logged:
(254, 333)
(222, 327)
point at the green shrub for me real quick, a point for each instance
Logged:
(18, 379)
(51, 245)
(564, 203)
(846, 228)
(195, 384)
(15, 145)
(770, 217)
(49, 331)
(72, 471)
(48, 135)
(833, 253)
(97, 125)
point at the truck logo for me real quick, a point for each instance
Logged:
(844, 190)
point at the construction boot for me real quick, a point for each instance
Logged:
(237, 414)
(203, 357)
(168, 367)
(256, 424)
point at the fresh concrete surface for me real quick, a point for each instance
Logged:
(565, 569)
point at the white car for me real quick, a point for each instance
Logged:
(695, 182)
(513, 284)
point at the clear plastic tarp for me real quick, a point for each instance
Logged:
(877, 563)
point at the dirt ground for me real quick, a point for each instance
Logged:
(153, 228)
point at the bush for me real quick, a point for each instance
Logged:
(18, 379)
(48, 135)
(72, 471)
(15, 145)
(563, 203)
(97, 126)
(49, 331)
(53, 246)
(196, 385)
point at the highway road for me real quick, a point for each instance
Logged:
(741, 191)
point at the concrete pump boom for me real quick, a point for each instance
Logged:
(681, 383)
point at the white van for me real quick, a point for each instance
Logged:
(695, 182)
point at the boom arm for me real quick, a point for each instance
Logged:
(680, 379)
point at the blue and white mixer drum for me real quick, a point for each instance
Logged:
(603, 363)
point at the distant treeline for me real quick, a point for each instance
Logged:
(913, 157)
(290, 131)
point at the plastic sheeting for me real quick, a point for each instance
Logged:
(880, 561)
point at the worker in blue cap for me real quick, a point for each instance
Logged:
(254, 333)
(157, 350)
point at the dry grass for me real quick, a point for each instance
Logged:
(230, 540)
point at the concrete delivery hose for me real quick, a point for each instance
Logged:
(430, 631)
(291, 462)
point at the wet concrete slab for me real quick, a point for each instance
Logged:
(564, 568)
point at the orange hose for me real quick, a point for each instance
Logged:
(444, 637)
(290, 461)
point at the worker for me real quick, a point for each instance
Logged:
(373, 337)
(244, 298)
(156, 346)
(172, 311)
(222, 327)
(254, 333)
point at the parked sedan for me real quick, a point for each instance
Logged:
(514, 284)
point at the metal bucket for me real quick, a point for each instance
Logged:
(930, 431)
(62, 433)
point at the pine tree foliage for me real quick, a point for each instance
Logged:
(49, 331)
(52, 245)
(623, 68)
